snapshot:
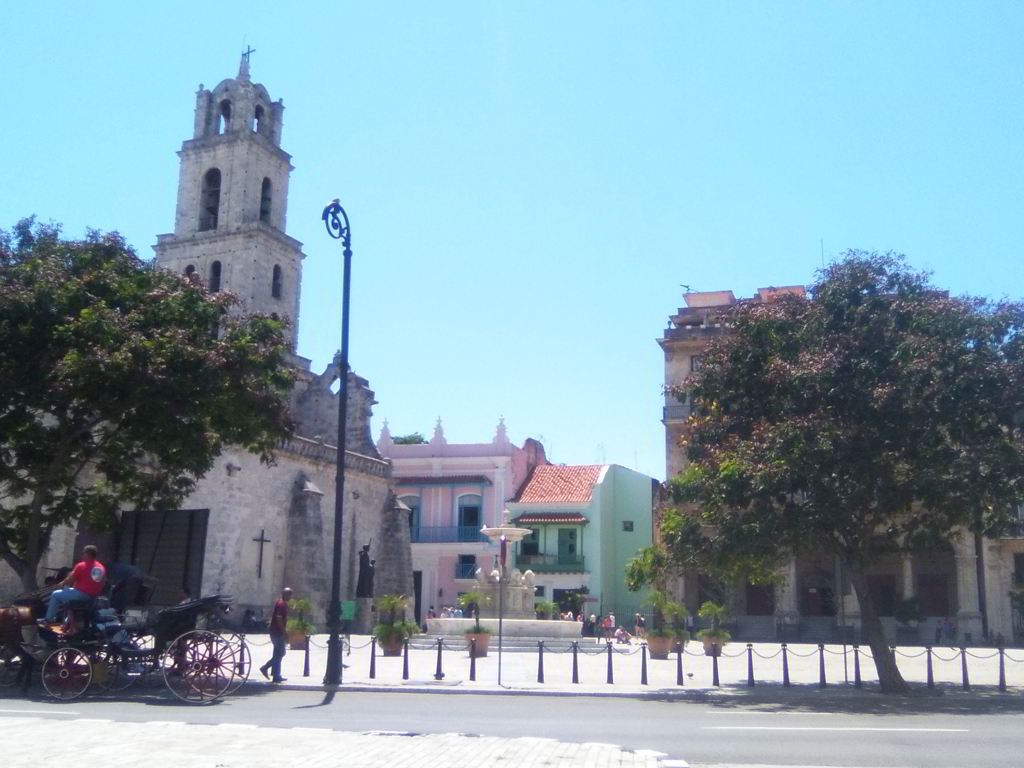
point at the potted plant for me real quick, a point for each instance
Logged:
(471, 601)
(667, 625)
(393, 629)
(298, 628)
(545, 609)
(713, 637)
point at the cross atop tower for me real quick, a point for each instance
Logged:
(243, 67)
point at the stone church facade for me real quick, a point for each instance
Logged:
(248, 529)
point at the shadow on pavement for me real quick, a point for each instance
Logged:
(943, 699)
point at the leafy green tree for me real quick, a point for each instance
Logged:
(119, 385)
(876, 415)
(412, 439)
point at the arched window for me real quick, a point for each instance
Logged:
(470, 517)
(215, 277)
(190, 270)
(413, 503)
(224, 118)
(257, 120)
(209, 200)
(265, 191)
(275, 282)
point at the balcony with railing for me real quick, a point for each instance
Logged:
(679, 412)
(551, 563)
(445, 533)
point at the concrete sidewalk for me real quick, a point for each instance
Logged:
(519, 670)
(166, 744)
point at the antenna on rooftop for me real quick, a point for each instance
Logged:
(687, 288)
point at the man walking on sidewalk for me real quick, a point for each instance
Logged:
(278, 627)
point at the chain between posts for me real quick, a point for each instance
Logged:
(441, 644)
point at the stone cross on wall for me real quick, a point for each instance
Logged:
(261, 540)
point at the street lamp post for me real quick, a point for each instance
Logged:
(336, 221)
(501, 536)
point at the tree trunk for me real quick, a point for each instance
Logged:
(889, 678)
(26, 571)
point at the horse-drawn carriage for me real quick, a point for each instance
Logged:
(95, 647)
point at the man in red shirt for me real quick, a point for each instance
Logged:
(83, 583)
(278, 629)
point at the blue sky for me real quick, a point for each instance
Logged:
(529, 183)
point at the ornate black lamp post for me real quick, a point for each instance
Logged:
(336, 221)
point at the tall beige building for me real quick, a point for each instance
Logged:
(968, 582)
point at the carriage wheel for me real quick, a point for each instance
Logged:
(66, 673)
(105, 670)
(198, 666)
(131, 668)
(243, 661)
(10, 665)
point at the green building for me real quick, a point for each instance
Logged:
(586, 522)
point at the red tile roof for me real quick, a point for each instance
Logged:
(550, 484)
(550, 517)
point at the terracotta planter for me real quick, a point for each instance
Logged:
(660, 647)
(391, 647)
(483, 641)
(296, 639)
(712, 646)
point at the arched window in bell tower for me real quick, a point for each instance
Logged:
(209, 200)
(224, 117)
(265, 195)
(276, 282)
(257, 120)
(215, 277)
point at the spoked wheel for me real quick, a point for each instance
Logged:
(67, 672)
(10, 665)
(105, 670)
(243, 661)
(198, 666)
(136, 660)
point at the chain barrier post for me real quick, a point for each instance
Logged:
(405, 659)
(472, 659)
(438, 674)
(611, 679)
(679, 663)
(373, 657)
(305, 659)
(540, 661)
(714, 670)
(856, 666)
(575, 663)
(785, 666)
(931, 677)
(750, 665)
(1002, 669)
(963, 668)
(821, 665)
(643, 663)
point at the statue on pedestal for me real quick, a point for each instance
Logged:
(364, 584)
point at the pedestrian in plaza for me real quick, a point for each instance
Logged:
(278, 633)
(608, 625)
(640, 629)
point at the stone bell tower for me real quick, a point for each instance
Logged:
(229, 228)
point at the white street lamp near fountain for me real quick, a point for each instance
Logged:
(502, 535)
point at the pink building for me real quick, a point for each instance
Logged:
(453, 490)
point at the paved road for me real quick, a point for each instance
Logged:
(809, 730)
